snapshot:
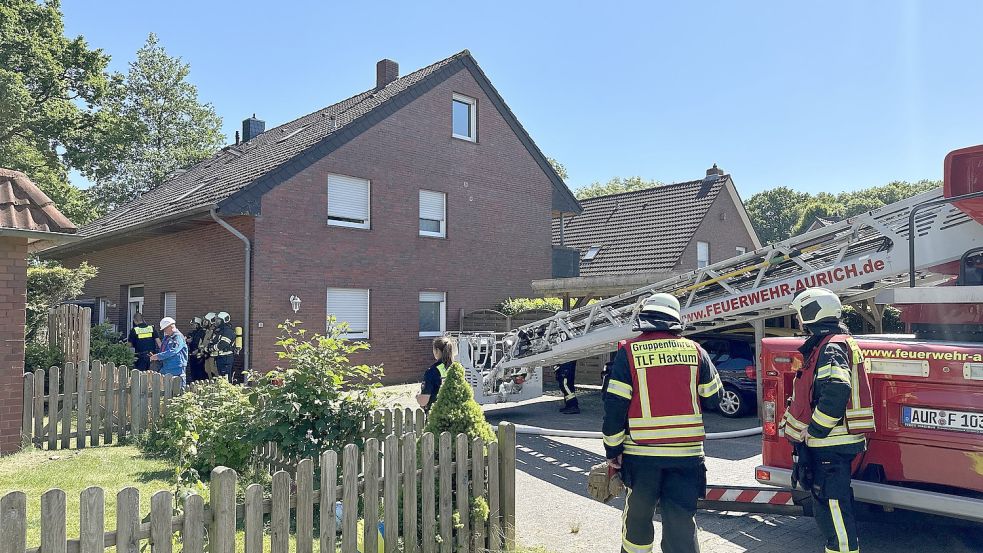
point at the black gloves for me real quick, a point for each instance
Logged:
(802, 475)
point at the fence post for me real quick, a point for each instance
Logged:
(410, 539)
(127, 520)
(478, 489)
(391, 501)
(13, 531)
(506, 439)
(108, 413)
(68, 405)
(222, 500)
(463, 497)
(53, 374)
(305, 506)
(27, 420)
(38, 407)
(136, 419)
(160, 522)
(279, 513)
(446, 498)
(82, 424)
(427, 487)
(370, 497)
(254, 518)
(329, 493)
(95, 404)
(53, 535)
(494, 491)
(92, 522)
(123, 378)
(193, 535)
(349, 499)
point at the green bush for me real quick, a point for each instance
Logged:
(891, 322)
(105, 345)
(48, 285)
(514, 306)
(456, 411)
(206, 427)
(319, 399)
(41, 356)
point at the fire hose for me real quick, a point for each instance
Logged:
(538, 431)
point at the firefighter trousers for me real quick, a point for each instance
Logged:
(833, 500)
(676, 489)
(565, 378)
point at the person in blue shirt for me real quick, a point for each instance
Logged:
(173, 351)
(433, 377)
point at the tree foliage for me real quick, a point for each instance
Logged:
(456, 411)
(514, 306)
(151, 125)
(50, 86)
(615, 186)
(558, 167)
(49, 284)
(781, 212)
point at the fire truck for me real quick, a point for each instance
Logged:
(923, 255)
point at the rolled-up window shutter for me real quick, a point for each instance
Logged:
(348, 199)
(432, 205)
(170, 304)
(350, 305)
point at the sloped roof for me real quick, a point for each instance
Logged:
(235, 178)
(23, 206)
(643, 231)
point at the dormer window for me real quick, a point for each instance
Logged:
(464, 118)
(591, 253)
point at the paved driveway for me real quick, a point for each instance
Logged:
(554, 511)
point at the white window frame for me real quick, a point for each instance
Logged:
(367, 223)
(442, 233)
(591, 253)
(131, 299)
(741, 250)
(701, 263)
(473, 113)
(368, 312)
(164, 306)
(443, 313)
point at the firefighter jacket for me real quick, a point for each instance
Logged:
(652, 397)
(831, 403)
(195, 338)
(223, 341)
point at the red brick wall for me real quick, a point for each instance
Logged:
(722, 228)
(13, 297)
(204, 266)
(498, 230)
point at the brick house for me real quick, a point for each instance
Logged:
(28, 219)
(395, 210)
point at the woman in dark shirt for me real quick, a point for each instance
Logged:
(443, 352)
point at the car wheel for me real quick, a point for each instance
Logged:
(732, 403)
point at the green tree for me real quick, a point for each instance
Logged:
(152, 125)
(49, 284)
(558, 167)
(812, 209)
(615, 186)
(50, 87)
(774, 212)
(455, 409)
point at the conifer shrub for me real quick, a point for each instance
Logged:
(456, 411)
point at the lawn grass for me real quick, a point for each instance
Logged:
(111, 468)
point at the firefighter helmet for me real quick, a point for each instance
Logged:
(221, 317)
(209, 316)
(665, 304)
(816, 304)
(195, 321)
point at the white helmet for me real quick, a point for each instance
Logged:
(816, 304)
(209, 316)
(222, 317)
(195, 321)
(663, 303)
(166, 322)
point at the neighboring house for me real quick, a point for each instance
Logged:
(630, 239)
(394, 210)
(28, 219)
(822, 222)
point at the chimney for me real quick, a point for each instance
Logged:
(386, 71)
(715, 171)
(252, 127)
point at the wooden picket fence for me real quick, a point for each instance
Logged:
(91, 404)
(69, 327)
(454, 471)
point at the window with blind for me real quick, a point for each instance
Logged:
(350, 305)
(433, 313)
(348, 201)
(170, 304)
(433, 214)
(702, 254)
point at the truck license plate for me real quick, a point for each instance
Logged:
(942, 419)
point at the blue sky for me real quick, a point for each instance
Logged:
(816, 96)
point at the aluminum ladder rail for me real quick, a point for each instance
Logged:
(856, 258)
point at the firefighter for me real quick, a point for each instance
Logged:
(145, 340)
(433, 377)
(653, 427)
(196, 363)
(222, 346)
(828, 416)
(566, 373)
(204, 351)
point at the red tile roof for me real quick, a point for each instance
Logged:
(23, 206)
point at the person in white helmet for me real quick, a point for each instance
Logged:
(222, 346)
(653, 427)
(828, 416)
(173, 351)
(196, 363)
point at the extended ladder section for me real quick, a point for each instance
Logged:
(856, 258)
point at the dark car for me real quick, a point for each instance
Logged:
(733, 356)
